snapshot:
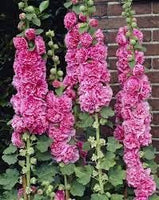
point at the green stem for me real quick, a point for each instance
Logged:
(98, 149)
(66, 190)
(28, 165)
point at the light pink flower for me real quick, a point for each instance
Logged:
(70, 20)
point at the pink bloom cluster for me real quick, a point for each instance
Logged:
(60, 195)
(133, 115)
(86, 65)
(61, 122)
(30, 83)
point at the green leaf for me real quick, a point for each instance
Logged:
(46, 156)
(39, 31)
(154, 197)
(10, 195)
(132, 63)
(10, 159)
(29, 16)
(36, 21)
(68, 4)
(43, 6)
(108, 161)
(117, 197)
(67, 169)
(149, 153)
(77, 189)
(99, 197)
(116, 176)
(113, 144)
(76, 9)
(43, 143)
(107, 112)
(46, 172)
(9, 179)
(92, 9)
(11, 149)
(86, 146)
(85, 120)
(83, 174)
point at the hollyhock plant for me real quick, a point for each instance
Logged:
(133, 116)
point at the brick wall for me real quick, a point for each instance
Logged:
(147, 14)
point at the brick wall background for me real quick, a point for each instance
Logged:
(147, 13)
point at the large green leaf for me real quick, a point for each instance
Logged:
(46, 172)
(108, 161)
(9, 179)
(68, 169)
(43, 143)
(10, 159)
(117, 197)
(113, 144)
(85, 120)
(77, 189)
(11, 149)
(107, 112)
(44, 5)
(149, 153)
(99, 197)
(116, 176)
(84, 174)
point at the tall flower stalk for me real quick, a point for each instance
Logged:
(133, 116)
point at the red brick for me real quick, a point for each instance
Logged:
(156, 144)
(155, 118)
(157, 158)
(156, 35)
(115, 89)
(112, 64)
(155, 63)
(156, 7)
(155, 89)
(154, 103)
(114, 77)
(112, 50)
(155, 132)
(101, 10)
(152, 49)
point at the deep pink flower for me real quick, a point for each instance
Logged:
(60, 195)
(93, 22)
(86, 40)
(30, 34)
(82, 17)
(17, 140)
(70, 20)
(40, 45)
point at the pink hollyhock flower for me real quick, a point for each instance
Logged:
(20, 43)
(121, 37)
(81, 55)
(86, 40)
(74, 1)
(60, 195)
(82, 17)
(83, 154)
(30, 34)
(99, 35)
(40, 45)
(131, 142)
(20, 193)
(139, 57)
(70, 20)
(56, 84)
(119, 133)
(17, 140)
(138, 34)
(132, 85)
(138, 70)
(93, 22)
(72, 38)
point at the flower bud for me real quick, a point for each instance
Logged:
(82, 8)
(21, 5)
(33, 161)
(33, 138)
(93, 22)
(50, 33)
(29, 9)
(134, 24)
(33, 180)
(22, 16)
(132, 41)
(30, 151)
(50, 53)
(53, 71)
(90, 3)
(55, 46)
(60, 73)
(40, 192)
(55, 59)
(82, 17)
(22, 152)
(74, 1)
(50, 43)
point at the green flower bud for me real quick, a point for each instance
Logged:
(56, 46)
(51, 77)
(24, 170)
(50, 187)
(108, 194)
(28, 190)
(21, 5)
(33, 161)
(40, 191)
(82, 8)
(25, 136)
(50, 53)
(128, 34)
(61, 187)
(128, 20)
(22, 152)
(50, 43)
(33, 180)
(50, 33)
(123, 14)
(134, 24)
(60, 73)
(30, 9)
(55, 59)
(52, 194)
(133, 42)
(90, 3)
(53, 71)
(33, 138)
(68, 187)
(30, 151)
(21, 163)
(45, 183)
